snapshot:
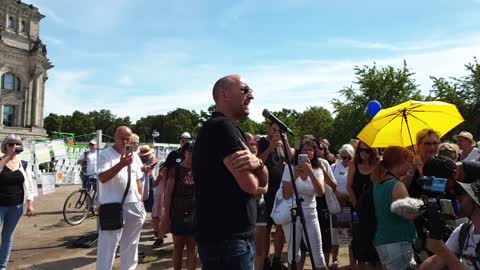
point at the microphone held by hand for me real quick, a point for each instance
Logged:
(267, 114)
(407, 206)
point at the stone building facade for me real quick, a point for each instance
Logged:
(23, 70)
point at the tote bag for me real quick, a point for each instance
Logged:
(332, 201)
(281, 208)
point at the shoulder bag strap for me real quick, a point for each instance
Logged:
(128, 183)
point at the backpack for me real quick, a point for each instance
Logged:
(462, 240)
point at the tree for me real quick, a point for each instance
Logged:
(389, 85)
(80, 124)
(464, 92)
(107, 122)
(316, 121)
(178, 121)
(53, 122)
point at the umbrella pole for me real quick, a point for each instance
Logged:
(404, 114)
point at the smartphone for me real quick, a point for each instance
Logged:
(302, 158)
(128, 148)
(153, 165)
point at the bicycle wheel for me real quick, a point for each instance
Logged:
(77, 207)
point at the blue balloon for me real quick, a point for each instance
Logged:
(374, 107)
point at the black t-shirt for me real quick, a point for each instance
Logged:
(171, 160)
(275, 164)
(223, 210)
(11, 187)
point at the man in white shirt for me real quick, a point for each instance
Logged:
(88, 160)
(113, 175)
(467, 144)
(456, 254)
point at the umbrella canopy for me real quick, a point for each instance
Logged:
(398, 125)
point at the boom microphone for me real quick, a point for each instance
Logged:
(267, 114)
(407, 206)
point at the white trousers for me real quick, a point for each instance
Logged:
(314, 234)
(128, 238)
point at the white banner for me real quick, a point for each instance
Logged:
(341, 226)
(48, 183)
(59, 149)
(42, 153)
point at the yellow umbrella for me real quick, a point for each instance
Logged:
(398, 125)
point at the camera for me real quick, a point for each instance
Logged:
(432, 184)
(439, 218)
(18, 149)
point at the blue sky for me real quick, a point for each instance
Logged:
(139, 57)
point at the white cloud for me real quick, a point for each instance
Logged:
(174, 82)
(63, 92)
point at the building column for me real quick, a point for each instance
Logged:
(41, 98)
(34, 103)
(17, 121)
(1, 115)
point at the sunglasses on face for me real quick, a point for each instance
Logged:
(366, 150)
(347, 158)
(13, 144)
(246, 89)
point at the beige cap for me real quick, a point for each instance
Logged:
(467, 135)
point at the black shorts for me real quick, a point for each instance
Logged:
(182, 223)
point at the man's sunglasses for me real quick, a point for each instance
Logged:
(246, 89)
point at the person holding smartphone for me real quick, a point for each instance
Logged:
(16, 188)
(117, 166)
(309, 181)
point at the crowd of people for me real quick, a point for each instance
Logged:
(216, 195)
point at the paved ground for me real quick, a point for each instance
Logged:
(45, 240)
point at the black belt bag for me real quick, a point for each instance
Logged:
(111, 214)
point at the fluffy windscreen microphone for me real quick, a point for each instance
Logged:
(406, 206)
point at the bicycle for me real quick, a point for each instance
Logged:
(80, 204)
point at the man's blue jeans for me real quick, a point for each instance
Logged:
(227, 254)
(9, 216)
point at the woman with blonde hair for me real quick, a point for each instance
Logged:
(16, 188)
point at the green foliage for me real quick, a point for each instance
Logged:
(316, 121)
(53, 122)
(464, 92)
(389, 85)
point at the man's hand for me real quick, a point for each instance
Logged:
(274, 144)
(244, 160)
(126, 159)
